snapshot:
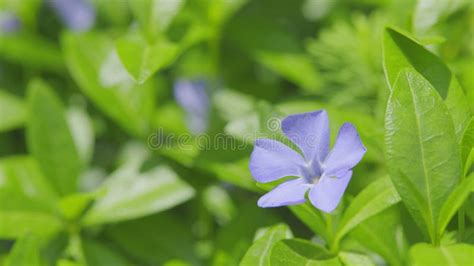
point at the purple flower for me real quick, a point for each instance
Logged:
(325, 174)
(78, 15)
(9, 22)
(193, 98)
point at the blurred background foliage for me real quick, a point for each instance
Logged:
(80, 104)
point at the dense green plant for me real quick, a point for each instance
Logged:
(102, 163)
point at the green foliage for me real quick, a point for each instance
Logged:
(98, 165)
(422, 153)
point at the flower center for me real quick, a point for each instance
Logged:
(315, 179)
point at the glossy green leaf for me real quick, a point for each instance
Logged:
(453, 255)
(95, 66)
(259, 253)
(143, 59)
(401, 52)
(423, 156)
(454, 202)
(377, 197)
(12, 111)
(25, 252)
(293, 252)
(138, 195)
(50, 140)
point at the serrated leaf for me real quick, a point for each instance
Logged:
(12, 111)
(138, 195)
(295, 252)
(401, 52)
(259, 253)
(378, 196)
(453, 255)
(50, 140)
(423, 156)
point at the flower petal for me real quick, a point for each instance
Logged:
(327, 193)
(272, 160)
(346, 153)
(310, 132)
(193, 98)
(288, 193)
(78, 15)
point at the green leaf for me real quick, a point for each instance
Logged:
(154, 16)
(259, 252)
(423, 156)
(378, 196)
(49, 138)
(453, 255)
(12, 111)
(219, 203)
(312, 218)
(14, 224)
(141, 58)
(31, 51)
(401, 52)
(74, 205)
(25, 252)
(382, 234)
(454, 202)
(355, 259)
(95, 66)
(467, 142)
(296, 67)
(300, 252)
(138, 195)
(97, 254)
(155, 239)
(23, 187)
(82, 132)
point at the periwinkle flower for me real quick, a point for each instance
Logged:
(78, 15)
(9, 22)
(321, 173)
(192, 96)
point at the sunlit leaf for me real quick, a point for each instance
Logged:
(422, 153)
(138, 195)
(300, 252)
(453, 255)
